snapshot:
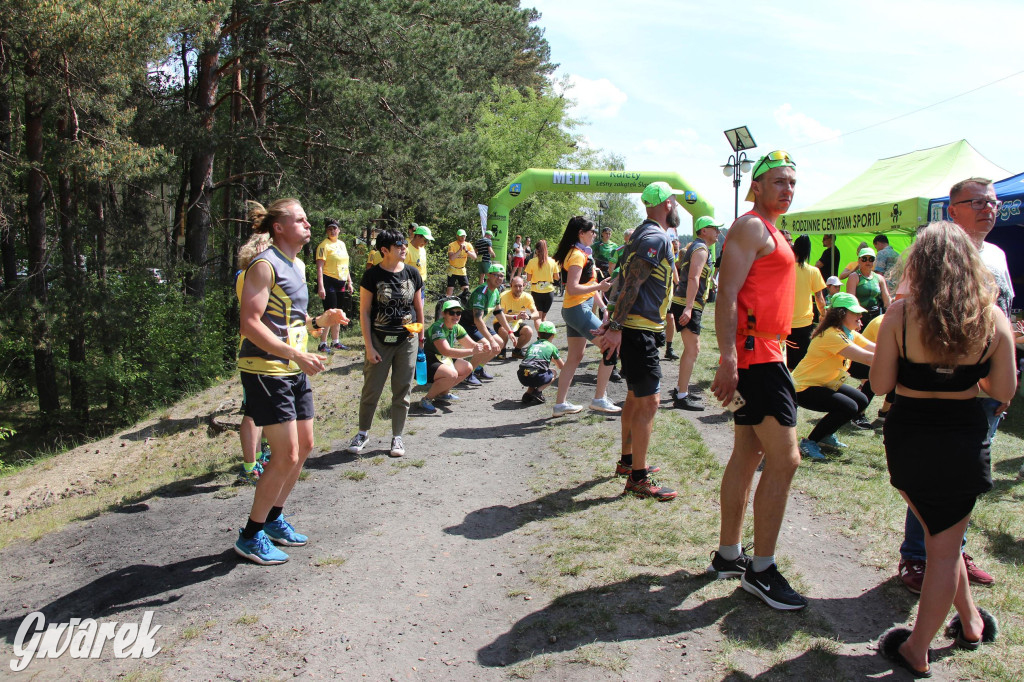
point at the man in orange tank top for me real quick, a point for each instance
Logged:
(754, 310)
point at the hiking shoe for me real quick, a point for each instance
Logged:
(503, 355)
(357, 443)
(603, 404)
(690, 402)
(338, 345)
(670, 354)
(615, 376)
(471, 380)
(446, 398)
(322, 348)
(249, 477)
(283, 533)
(626, 469)
(649, 488)
(264, 456)
(482, 373)
(861, 422)
(427, 406)
(832, 442)
(565, 408)
(975, 575)
(810, 449)
(912, 574)
(770, 587)
(259, 550)
(518, 354)
(397, 447)
(726, 568)
(531, 398)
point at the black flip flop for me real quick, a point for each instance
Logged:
(889, 647)
(988, 632)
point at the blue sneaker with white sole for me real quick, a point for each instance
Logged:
(282, 533)
(259, 550)
(810, 449)
(832, 442)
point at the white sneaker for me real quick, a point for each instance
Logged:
(397, 447)
(565, 408)
(357, 443)
(603, 404)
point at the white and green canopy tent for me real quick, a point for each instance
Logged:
(890, 197)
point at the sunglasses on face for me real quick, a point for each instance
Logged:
(453, 311)
(867, 259)
(778, 157)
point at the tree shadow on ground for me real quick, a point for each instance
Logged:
(166, 427)
(497, 431)
(329, 460)
(134, 587)
(196, 485)
(648, 606)
(495, 521)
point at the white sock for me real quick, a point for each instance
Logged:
(762, 563)
(681, 394)
(730, 552)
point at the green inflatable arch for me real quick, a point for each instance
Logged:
(589, 181)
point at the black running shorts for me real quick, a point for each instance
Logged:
(693, 324)
(641, 362)
(769, 391)
(277, 399)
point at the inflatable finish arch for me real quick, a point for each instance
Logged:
(587, 181)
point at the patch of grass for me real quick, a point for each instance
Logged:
(303, 475)
(599, 656)
(193, 631)
(377, 460)
(406, 463)
(324, 562)
(353, 475)
(247, 619)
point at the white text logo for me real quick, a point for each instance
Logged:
(82, 638)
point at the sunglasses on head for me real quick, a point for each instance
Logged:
(778, 157)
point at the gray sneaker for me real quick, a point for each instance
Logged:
(357, 443)
(565, 408)
(397, 447)
(603, 404)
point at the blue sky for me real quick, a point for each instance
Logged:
(658, 82)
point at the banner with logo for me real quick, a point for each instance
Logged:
(900, 216)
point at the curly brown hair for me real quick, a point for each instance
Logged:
(262, 220)
(951, 293)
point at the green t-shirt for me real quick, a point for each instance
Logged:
(436, 332)
(605, 253)
(485, 300)
(541, 351)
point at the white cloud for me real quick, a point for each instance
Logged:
(802, 127)
(594, 98)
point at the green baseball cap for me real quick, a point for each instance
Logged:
(460, 233)
(546, 327)
(424, 231)
(706, 221)
(775, 159)
(846, 300)
(866, 251)
(448, 305)
(657, 193)
(496, 268)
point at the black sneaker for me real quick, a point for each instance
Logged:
(861, 422)
(690, 402)
(771, 588)
(615, 376)
(482, 373)
(518, 354)
(729, 569)
(503, 355)
(670, 354)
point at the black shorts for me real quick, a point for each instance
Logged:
(543, 301)
(475, 334)
(456, 281)
(769, 392)
(641, 362)
(334, 289)
(533, 379)
(694, 322)
(273, 399)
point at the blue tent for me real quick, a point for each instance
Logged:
(1008, 234)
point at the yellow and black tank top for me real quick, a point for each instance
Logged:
(285, 315)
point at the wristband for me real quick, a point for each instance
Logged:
(614, 326)
(315, 325)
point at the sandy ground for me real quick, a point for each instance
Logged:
(418, 573)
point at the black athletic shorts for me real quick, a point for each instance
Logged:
(769, 391)
(333, 288)
(641, 362)
(457, 281)
(273, 399)
(475, 334)
(543, 301)
(694, 322)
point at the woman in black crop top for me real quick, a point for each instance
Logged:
(936, 347)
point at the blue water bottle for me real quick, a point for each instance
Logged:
(421, 368)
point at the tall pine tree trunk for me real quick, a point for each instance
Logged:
(7, 254)
(46, 375)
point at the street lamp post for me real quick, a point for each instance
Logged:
(740, 139)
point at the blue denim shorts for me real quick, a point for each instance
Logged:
(580, 320)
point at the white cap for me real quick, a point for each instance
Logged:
(834, 281)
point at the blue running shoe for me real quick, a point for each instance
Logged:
(250, 477)
(282, 533)
(482, 373)
(810, 449)
(471, 380)
(832, 442)
(428, 406)
(259, 550)
(446, 398)
(264, 453)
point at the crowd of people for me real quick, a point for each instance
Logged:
(939, 347)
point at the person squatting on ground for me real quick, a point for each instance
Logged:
(459, 251)
(635, 331)
(820, 378)
(520, 311)
(809, 286)
(973, 206)
(333, 282)
(756, 286)
(688, 298)
(390, 304)
(541, 275)
(275, 370)
(535, 371)
(575, 257)
(447, 347)
(936, 347)
(485, 304)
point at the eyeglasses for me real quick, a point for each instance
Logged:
(779, 157)
(981, 204)
(453, 311)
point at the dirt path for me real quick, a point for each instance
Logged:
(420, 570)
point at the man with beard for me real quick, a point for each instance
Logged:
(640, 298)
(756, 295)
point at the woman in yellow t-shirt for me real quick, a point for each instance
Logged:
(581, 288)
(820, 377)
(541, 274)
(809, 285)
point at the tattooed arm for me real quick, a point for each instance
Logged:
(628, 285)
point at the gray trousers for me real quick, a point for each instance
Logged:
(400, 361)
